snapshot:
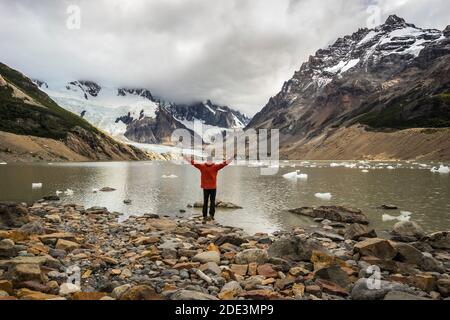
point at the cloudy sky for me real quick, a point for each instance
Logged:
(235, 52)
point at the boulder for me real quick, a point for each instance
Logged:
(356, 231)
(13, 215)
(27, 294)
(191, 295)
(334, 274)
(439, 240)
(370, 289)
(407, 231)
(7, 248)
(294, 248)
(33, 228)
(251, 255)
(211, 268)
(24, 272)
(376, 247)
(231, 239)
(334, 213)
(208, 256)
(332, 288)
(267, 270)
(120, 290)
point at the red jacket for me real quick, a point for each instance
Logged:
(209, 174)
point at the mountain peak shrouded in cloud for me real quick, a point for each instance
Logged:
(234, 52)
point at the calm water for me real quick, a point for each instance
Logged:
(410, 186)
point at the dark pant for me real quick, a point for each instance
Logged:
(209, 195)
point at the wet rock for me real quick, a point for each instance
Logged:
(334, 213)
(329, 235)
(231, 239)
(191, 295)
(389, 207)
(209, 256)
(13, 215)
(407, 231)
(379, 248)
(107, 189)
(251, 255)
(439, 240)
(370, 289)
(356, 231)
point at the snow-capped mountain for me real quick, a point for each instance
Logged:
(393, 76)
(132, 113)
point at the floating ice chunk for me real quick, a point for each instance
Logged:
(365, 171)
(36, 185)
(172, 176)
(334, 165)
(3, 163)
(390, 168)
(324, 196)
(441, 169)
(294, 176)
(68, 192)
(404, 216)
(58, 192)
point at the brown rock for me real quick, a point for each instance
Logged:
(89, 296)
(376, 247)
(24, 272)
(186, 265)
(13, 215)
(443, 286)
(356, 231)
(66, 245)
(323, 260)
(27, 294)
(260, 295)
(6, 286)
(298, 289)
(267, 271)
(332, 288)
(141, 293)
(239, 269)
(253, 269)
(313, 289)
(424, 282)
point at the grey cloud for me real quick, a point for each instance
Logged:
(235, 52)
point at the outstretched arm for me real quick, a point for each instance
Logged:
(226, 162)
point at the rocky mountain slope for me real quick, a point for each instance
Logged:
(376, 82)
(34, 127)
(135, 114)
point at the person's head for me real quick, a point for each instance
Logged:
(209, 160)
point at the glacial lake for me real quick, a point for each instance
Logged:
(410, 186)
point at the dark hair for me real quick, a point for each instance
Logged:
(209, 158)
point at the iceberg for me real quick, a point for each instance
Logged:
(441, 169)
(68, 192)
(324, 196)
(36, 185)
(295, 176)
(404, 216)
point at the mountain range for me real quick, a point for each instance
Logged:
(381, 93)
(33, 127)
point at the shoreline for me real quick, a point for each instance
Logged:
(152, 257)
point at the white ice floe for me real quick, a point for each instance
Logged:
(324, 196)
(296, 175)
(365, 171)
(58, 192)
(404, 216)
(68, 192)
(36, 185)
(3, 163)
(390, 168)
(441, 169)
(172, 176)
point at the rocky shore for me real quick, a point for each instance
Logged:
(58, 251)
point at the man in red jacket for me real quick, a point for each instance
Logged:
(209, 171)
